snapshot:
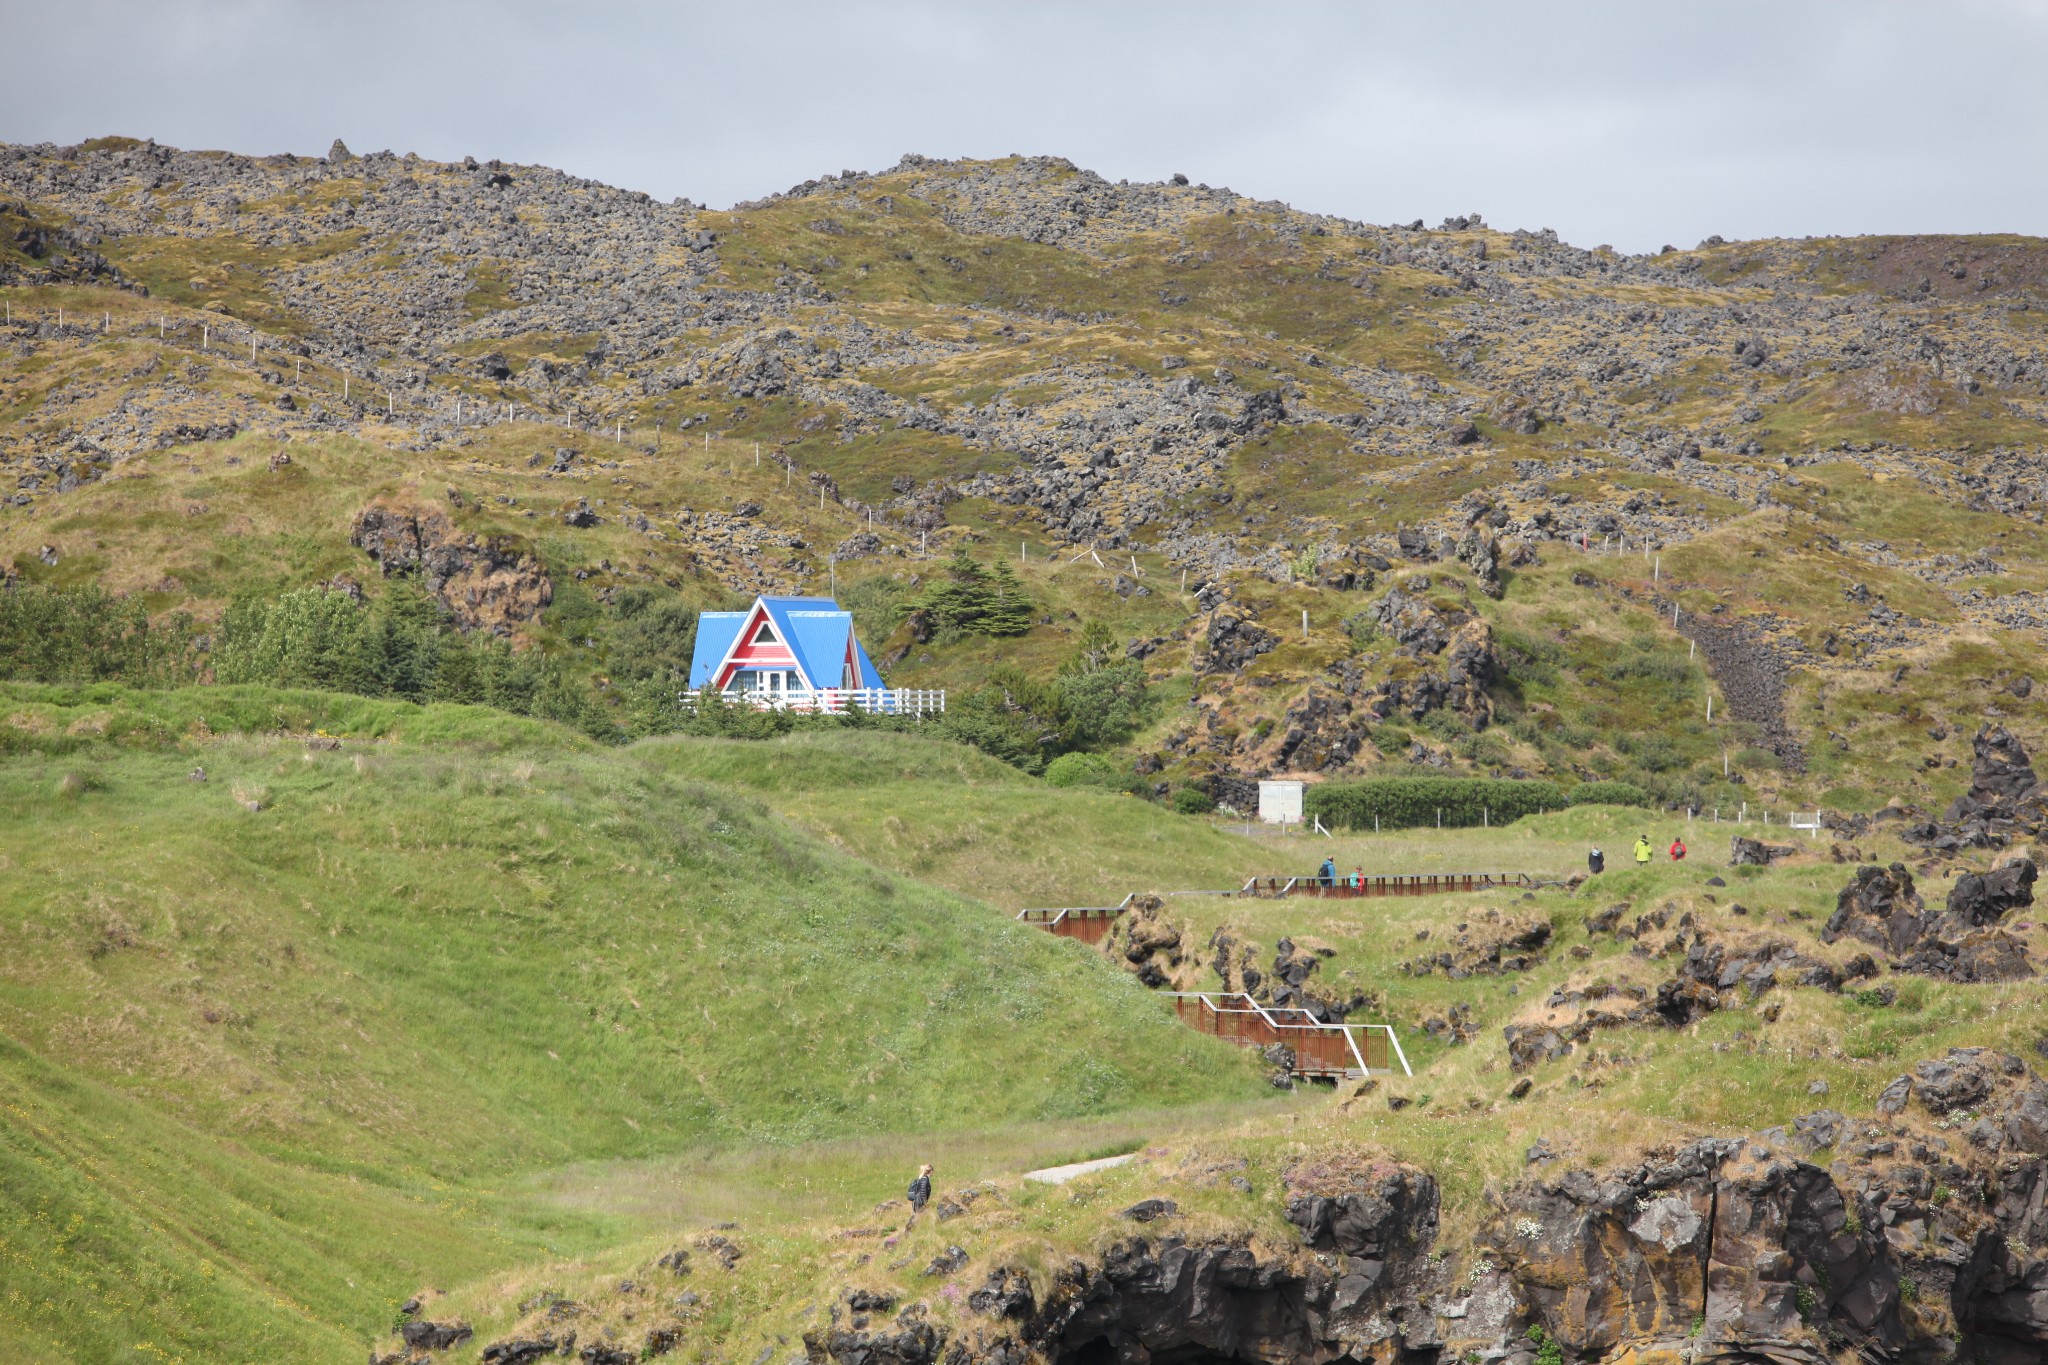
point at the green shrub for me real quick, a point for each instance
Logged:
(1390, 739)
(1193, 801)
(1445, 724)
(878, 605)
(1104, 705)
(1082, 770)
(972, 600)
(404, 647)
(1660, 667)
(82, 635)
(1653, 753)
(1413, 802)
(1609, 794)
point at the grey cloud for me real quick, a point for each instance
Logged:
(1632, 123)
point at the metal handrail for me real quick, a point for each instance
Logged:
(1276, 1019)
(1387, 883)
(1031, 916)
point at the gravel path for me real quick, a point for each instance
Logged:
(1060, 1175)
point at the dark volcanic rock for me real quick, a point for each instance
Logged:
(434, 1336)
(484, 584)
(1746, 852)
(1880, 907)
(1735, 1251)
(2001, 775)
(1233, 642)
(520, 1350)
(1980, 899)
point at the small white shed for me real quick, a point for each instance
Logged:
(1280, 803)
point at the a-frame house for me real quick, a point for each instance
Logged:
(784, 650)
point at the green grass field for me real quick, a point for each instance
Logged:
(270, 1070)
(471, 1004)
(810, 1220)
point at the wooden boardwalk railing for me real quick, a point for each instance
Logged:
(1349, 886)
(1088, 923)
(1336, 1051)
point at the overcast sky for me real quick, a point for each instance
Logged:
(1633, 123)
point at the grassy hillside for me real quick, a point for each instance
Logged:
(809, 1224)
(945, 814)
(1173, 408)
(294, 1026)
(428, 959)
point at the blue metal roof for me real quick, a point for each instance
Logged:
(818, 639)
(816, 630)
(716, 631)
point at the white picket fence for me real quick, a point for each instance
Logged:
(837, 701)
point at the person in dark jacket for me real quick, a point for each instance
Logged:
(919, 1193)
(1596, 861)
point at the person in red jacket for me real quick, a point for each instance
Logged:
(1678, 849)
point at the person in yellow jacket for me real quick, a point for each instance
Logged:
(1643, 850)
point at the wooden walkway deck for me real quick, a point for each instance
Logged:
(1353, 886)
(1329, 1051)
(1088, 923)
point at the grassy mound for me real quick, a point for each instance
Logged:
(320, 1003)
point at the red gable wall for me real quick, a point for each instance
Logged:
(751, 655)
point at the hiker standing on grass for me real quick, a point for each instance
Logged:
(1643, 850)
(1678, 849)
(1327, 873)
(1358, 880)
(1596, 862)
(919, 1194)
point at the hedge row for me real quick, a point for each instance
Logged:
(1611, 794)
(1411, 802)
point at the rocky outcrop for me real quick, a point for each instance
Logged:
(1571, 1015)
(1416, 628)
(2005, 800)
(1147, 942)
(1231, 642)
(1979, 899)
(1963, 943)
(1453, 667)
(1734, 1249)
(485, 586)
(1290, 982)
(1880, 907)
(1714, 972)
(1290, 985)
(1821, 1240)
(1747, 852)
(2001, 777)
(423, 1335)
(1485, 945)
